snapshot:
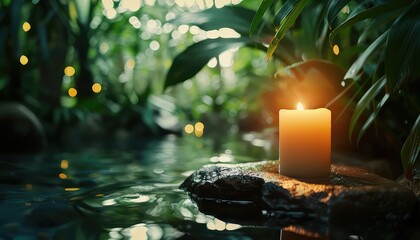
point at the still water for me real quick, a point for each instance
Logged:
(128, 189)
(124, 190)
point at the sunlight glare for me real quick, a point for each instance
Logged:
(140, 199)
(107, 4)
(154, 45)
(139, 231)
(232, 226)
(220, 225)
(189, 3)
(228, 33)
(226, 59)
(213, 34)
(109, 202)
(132, 5)
(221, 3)
(150, 2)
(346, 9)
(183, 28)
(209, 3)
(189, 128)
(212, 63)
(110, 13)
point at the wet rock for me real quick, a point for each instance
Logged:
(223, 183)
(21, 131)
(349, 194)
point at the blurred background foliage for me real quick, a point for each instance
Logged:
(147, 66)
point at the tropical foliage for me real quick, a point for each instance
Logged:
(167, 63)
(376, 42)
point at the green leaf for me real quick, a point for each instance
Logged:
(351, 100)
(358, 64)
(372, 116)
(284, 11)
(411, 148)
(194, 58)
(365, 101)
(369, 13)
(377, 24)
(237, 18)
(334, 8)
(15, 18)
(285, 23)
(402, 53)
(258, 17)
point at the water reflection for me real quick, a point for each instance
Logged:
(127, 191)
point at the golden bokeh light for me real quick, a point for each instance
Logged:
(71, 189)
(69, 71)
(96, 87)
(28, 186)
(64, 164)
(198, 133)
(62, 176)
(72, 92)
(23, 60)
(189, 128)
(199, 126)
(26, 26)
(130, 64)
(336, 49)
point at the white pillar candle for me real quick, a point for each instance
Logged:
(305, 142)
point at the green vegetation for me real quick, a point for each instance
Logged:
(162, 64)
(376, 43)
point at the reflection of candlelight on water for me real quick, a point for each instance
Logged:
(296, 232)
(305, 142)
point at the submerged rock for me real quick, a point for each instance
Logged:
(350, 194)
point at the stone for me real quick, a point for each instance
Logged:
(21, 131)
(256, 191)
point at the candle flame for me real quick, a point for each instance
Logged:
(300, 106)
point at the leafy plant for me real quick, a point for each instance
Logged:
(399, 44)
(376, 41)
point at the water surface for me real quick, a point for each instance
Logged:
(119, 190)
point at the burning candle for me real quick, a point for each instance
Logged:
(305, 142)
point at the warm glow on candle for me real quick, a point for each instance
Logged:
(300, 106)
(305, 142)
